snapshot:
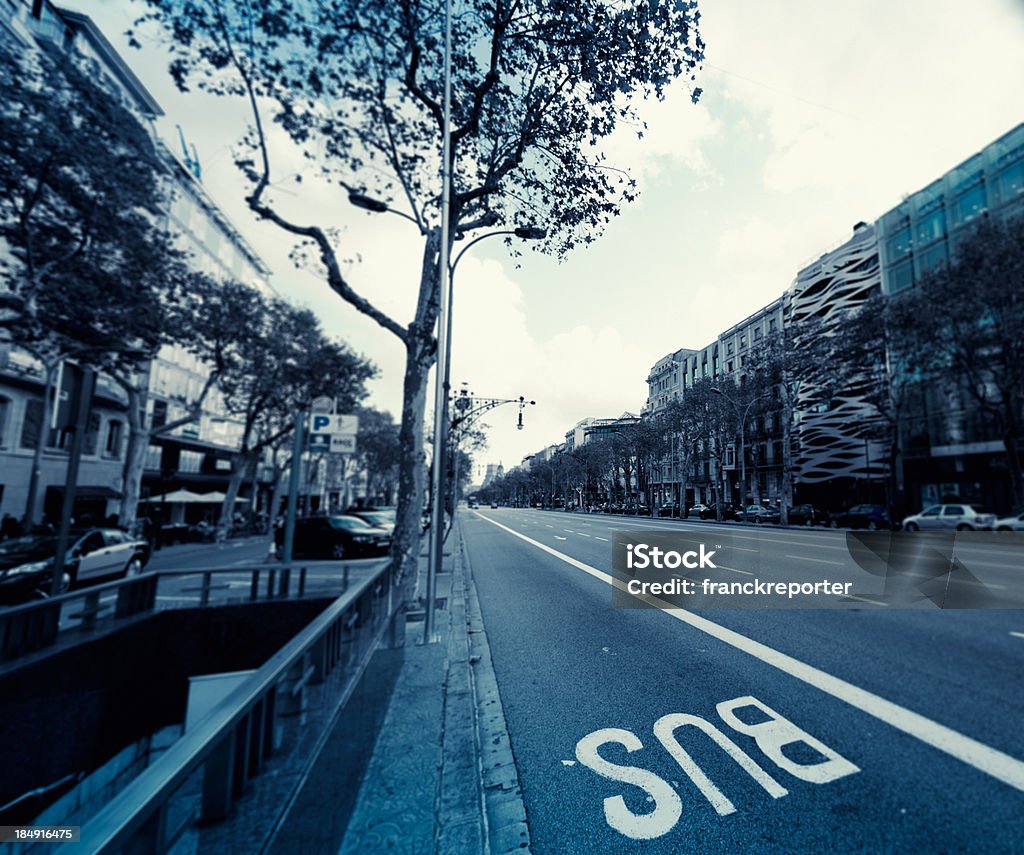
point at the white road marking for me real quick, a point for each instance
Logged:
(559, 537)
(734, 570)
(549, 525)
(866, 600)
(569, 530)
(815, 560)
(1018, 634)
(568, 762)
(582, 534)
(984, 758)
(605, 539)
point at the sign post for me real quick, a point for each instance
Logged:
(293, 496)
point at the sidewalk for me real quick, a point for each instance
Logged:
(442, 779)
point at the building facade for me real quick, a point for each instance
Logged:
(197, 455)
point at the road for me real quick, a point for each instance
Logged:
(866, 729)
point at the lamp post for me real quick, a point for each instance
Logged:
(743, 426)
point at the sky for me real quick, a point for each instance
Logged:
(814, 116)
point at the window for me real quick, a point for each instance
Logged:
(898, 245)
(32, 424)
(159, 418)
(771, 325)
(1010, 181)
(92, 434)
(5, 411)
(933, 257)
(933, 511)
(743, 341)
(112, 446)
(969, 204)
(901, 276)
(953, 511)
(931, 227)
(757, 333)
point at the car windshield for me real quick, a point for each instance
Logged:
(349, 523)
(378, 517)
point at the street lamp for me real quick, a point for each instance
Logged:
(743, 426)
(368, 203)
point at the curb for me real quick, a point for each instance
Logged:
(504, 810)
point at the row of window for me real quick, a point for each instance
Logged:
(33, 429)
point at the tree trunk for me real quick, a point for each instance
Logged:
(1010, 443)
(245, 465)
(405, 547)
(787, 456)
(37, 453)
(135, 454)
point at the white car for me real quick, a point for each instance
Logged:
(1010, 523)
(950, 518)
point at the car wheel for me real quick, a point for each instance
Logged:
(134, 568)
(757, 520)
(338, 551)
(808, 522)
(912, 527)
(964, 527)
(1004, 528)
(872, 526)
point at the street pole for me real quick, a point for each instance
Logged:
(440, 384)
(293, 494)
(82, 407)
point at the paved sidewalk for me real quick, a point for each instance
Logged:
(442, 780)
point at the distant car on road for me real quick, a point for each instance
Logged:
(758, 514)
(669, 509)
(808, 515)
(868, 516)
(951, 518)
(26, 563)
(494, 504)
(473, 504)
(1010, 523)
(337, 537)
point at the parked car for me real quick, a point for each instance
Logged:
(951, 518)
(729, 512)
(1010, 523)
(698, 511)
(339, 536)
(636, 509)
(669, 509)
(26, 563)
(864, 516)
(379, 517)
(758, 514)
(808, 515)
(494, 504)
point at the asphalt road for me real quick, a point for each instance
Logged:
(874, 729)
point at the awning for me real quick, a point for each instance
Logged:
(218, 498)
(177, 496)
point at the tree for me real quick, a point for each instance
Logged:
(978, 333)
(90, 273)
(378, 452)
(537, 85)
(270, 361)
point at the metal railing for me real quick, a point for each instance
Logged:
(201, 775)
(37, 625)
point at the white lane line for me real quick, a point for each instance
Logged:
(866, 600)
(559, 537)
(605, 539)
(982, 757)
(582, 534)
(549, 525)
(815, 560)
(569, 530)
(734, 570)
(1018, 634)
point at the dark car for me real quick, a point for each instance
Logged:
(636, 509)
(339, 536)
(669, 509)
(26, 563)
(864, 516)
(808, 515)
(729, 512)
